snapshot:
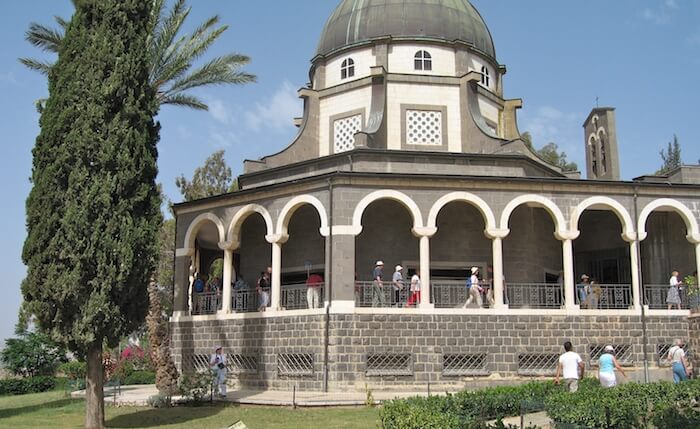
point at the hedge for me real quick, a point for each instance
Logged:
(21, 386)
(628, 406)
(140, 377)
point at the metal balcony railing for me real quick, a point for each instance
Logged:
(535, 295)
(454, 294)
(372, 294)
(206, 303)
(294, 296)
(608, 297)
(655, 296)
(244, 301)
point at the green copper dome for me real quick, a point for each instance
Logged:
(357, 21)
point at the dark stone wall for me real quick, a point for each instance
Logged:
(426, 338)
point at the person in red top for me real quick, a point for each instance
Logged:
(313, 290)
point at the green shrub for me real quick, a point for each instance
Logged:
(74, 369)
(21, 386)
(31, 354)
(140, 377)
(196, 387)
(626, 406)
(159, 401)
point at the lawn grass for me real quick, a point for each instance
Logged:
(57, 410)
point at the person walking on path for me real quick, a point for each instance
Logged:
(474, 290)
(679, 363)
(673, 297)
(378, 285)
(313, 291)
(397, 284)
(607, 364)
(415, 289)
(217, 363)
(571, 367)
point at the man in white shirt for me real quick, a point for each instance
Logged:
(572, 366)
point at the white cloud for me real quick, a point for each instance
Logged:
(8, 77)
(219, 111)
(276, 113)
(662, 14)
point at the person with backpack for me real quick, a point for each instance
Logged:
(474, 289)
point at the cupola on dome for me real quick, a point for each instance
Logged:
(359, 21)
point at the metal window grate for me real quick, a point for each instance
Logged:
(241, 364)
(623, 352)
(662, 353)
(389, 364)
(197, 363)
(295, 364)
(466, 364)
(537, 363)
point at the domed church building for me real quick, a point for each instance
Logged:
(409, 161)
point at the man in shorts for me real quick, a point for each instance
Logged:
(572, 367)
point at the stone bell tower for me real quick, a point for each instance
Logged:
(602, 161)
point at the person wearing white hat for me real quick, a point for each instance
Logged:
(217, 363)
(378, 285)
(474, 289)
(607, 364)
(397, 284)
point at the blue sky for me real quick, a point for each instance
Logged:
(640, 56)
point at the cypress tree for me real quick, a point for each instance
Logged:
(93, 213)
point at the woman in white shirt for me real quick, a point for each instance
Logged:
(673, 297)
(679, 363)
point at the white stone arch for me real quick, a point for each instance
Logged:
(386, 194)
(610, 204)
(196, 225)
(234, 229)
(560, 229)
(691, 222)
(293, 205)
(466, 197)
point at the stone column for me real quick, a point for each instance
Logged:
(228, 271)
(497, 237)
(343, 269)
(182, 294)
(277, 241)
(567, 241)
(424, 234)
(697, 265)
(634, 271)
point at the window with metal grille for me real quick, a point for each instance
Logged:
(662, 353)
(465, 364)
(347, 68)
(624, 353)
(295, 364)
(197, 363)
(389, 364)
(235, 363)
(423, 61)
(537, 363)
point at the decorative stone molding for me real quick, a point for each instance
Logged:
(387, 194)
(240, 217)
(691, 222)
(424, 231)
(466, 197)
(196, 225)
(294, 204)
(560, 226)
(609, 204)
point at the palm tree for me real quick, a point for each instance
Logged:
(171, 72)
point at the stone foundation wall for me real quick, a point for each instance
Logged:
(422, 339)
(694, 340)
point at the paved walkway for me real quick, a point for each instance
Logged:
(138, 396)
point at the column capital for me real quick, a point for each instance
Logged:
(424, 231)
(567, 235)
(497, 233)
(229, 245)
(277, 238)
(629, 236)
(694, 238)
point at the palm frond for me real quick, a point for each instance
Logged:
(45, 38)
(61, 22)
(183, 100)
(220, 70)
(42, 67)
(165, 34)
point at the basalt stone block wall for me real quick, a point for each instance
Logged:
(414, 347)
(694, 339)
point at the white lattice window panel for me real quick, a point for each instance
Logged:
(344, 133)
(295, 364)
(662, 353)
(624, 353)
(424, 127)
(389, 364)
(197, 363)
(464, 364)
(537, 363)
